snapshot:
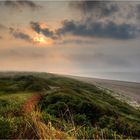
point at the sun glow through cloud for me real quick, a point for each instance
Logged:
(41, 40)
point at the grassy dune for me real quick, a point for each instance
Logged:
(67, 109)
(10, 112)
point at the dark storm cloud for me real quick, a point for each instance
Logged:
(99, 29)
(45, 31)
(109, 29)
(93, 23)
(35, 26)
(20, 4)
(101, 8)
(20, 35)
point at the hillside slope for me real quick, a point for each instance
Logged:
(75, 108)
(90, 106)
(126, 88)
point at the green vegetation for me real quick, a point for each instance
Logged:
(22, 83)
(14, 91)
(10, 112)
(84, 105)
(68, 109)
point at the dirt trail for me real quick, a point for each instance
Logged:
(30, 104)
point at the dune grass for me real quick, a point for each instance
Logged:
(10, 112)
(68, 109)
(11, 103)
(98, 115)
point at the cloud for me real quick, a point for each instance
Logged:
(45, 31)
(97, 29)
(100, 29)
(20, 4)
(20, 35)
(101, 8)
(138, 11)
(101, 19)
(21, 53)
(76, 41)
(104, 19)
(99, 59)
(2, 27)
(108, 11)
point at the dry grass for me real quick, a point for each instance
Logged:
(45, 131)
(36, 128)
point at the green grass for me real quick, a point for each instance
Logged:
(14, 91)
(11, 103)
(85, 104)
(10, 112)
(75, 108)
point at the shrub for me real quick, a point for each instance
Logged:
(80, 119)
(7, 127)
(106, 121)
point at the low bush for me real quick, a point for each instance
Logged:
(7, 127)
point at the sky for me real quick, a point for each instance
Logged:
(85, 38)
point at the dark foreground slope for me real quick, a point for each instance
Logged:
(78, 109)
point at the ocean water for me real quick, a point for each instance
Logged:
(122, 76)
